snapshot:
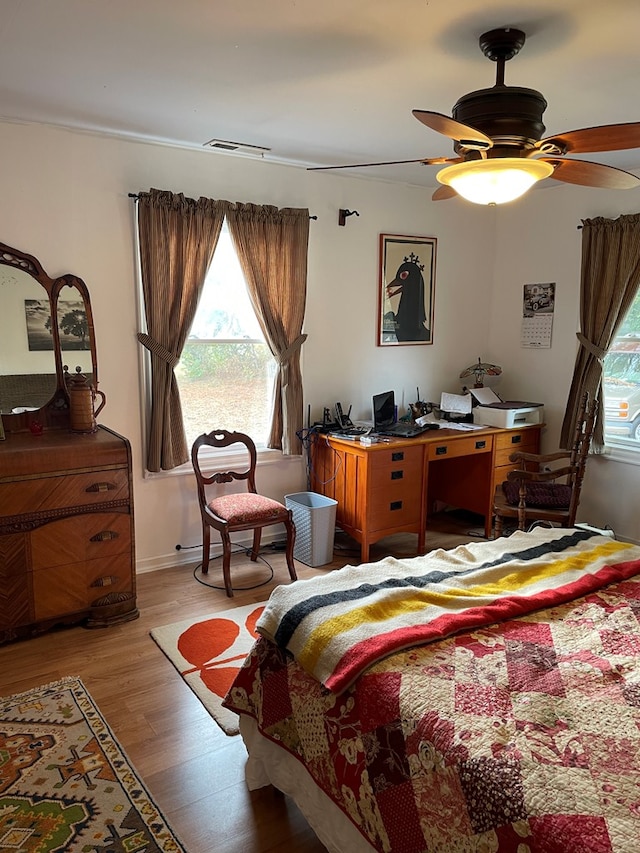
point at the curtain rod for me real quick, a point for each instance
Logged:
(137, 196)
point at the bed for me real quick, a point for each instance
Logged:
(482, 699)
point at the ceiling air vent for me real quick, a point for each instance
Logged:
(242, 147)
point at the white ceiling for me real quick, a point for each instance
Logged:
(318, 82)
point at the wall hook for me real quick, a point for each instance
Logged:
(343, 213)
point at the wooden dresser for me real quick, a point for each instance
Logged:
(390, 487)
(66, 531)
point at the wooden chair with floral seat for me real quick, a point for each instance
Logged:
(237, 511)
(540, 491)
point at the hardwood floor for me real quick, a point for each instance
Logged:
(193, 770)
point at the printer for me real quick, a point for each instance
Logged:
(507, 414)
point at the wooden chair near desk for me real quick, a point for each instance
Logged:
(536, 491)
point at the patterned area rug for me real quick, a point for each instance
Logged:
(208, 652)
(66, 785)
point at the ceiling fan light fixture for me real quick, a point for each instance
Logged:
(494, 181)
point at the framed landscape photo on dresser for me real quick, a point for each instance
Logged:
(406, 290)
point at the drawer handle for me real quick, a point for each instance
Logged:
(107, 580)
(398, 456)
(395, 505)
(397, 475)
(480, 445)
(440, 451)
(101, 487)
(516, 439)
(104, 536)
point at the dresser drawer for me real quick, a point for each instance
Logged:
(73, 588)
(15, 583)
(50, 493)
(83, 537)
(467, 446)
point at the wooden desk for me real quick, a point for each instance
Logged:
(390, 487)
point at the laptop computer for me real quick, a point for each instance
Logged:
(384, 418)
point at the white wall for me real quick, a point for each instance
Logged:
(65, 200)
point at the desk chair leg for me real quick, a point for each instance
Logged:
(498, 527)
(226, 562)
(291, 538)
(206, 547)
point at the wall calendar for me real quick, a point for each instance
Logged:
(538, 304)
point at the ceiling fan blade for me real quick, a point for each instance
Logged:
(607, 137)
(443, 193)
(426, 161)
(467, 136)
(587, 174)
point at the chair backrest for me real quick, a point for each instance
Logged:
(585, 425)
(223, 438)
(542, 488)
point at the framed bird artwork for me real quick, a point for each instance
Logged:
(406, 290)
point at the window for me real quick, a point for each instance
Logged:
(226, 372)
(622, 383)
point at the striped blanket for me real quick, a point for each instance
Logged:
(338, 624)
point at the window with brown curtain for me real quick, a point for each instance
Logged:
(610, 277)
(272, 248)
(177, 238)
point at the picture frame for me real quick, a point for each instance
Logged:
(406, 290)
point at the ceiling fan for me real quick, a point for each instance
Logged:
(498, 138)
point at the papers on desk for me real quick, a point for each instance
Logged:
(485, 396)
(423, 420)
(455, 404)
(463, 427)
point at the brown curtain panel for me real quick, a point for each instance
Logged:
(272, 248)
(177, 239)
(609, 280)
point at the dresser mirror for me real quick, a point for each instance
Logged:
(34, 348)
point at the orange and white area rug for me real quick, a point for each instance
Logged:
(208, 652)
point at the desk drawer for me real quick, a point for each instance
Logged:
(396, 506)
(396, 467)
(467, 446)
(508, 443)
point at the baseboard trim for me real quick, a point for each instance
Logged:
(193, 556)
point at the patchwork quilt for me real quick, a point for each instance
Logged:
(521, 736)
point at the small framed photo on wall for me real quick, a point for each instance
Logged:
(406, 290)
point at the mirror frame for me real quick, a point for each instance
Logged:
(55, 413)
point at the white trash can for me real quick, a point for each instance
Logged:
(314, 516)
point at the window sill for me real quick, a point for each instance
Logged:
(621, 453)
(222, 460)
